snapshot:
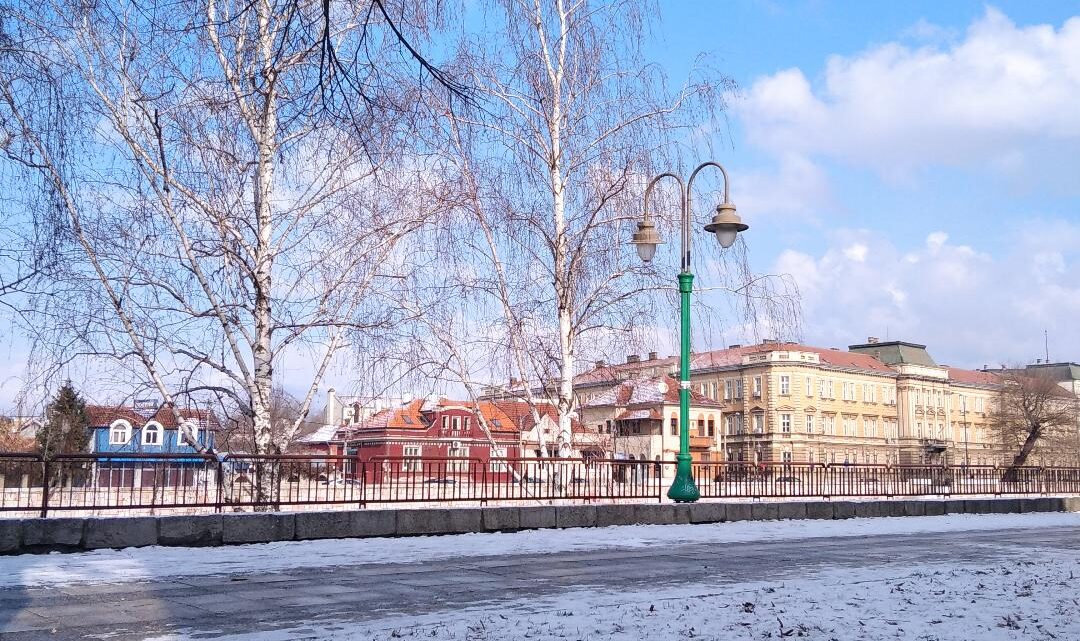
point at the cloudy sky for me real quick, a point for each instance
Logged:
(914, 166)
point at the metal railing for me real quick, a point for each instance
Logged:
(191, 483)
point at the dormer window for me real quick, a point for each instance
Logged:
(151, 433)
(119, 433)
(188, 429)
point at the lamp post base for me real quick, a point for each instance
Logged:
(682, 488)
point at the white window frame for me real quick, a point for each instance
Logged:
(459, 465)
(125, 430)
(411, 458)
(785, 423)
(809, 386)
(809, 423)
(155, 428)
(497, 453)
(785, 385)
(756, 387)
(194, 427)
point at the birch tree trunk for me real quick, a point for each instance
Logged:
(228, 215)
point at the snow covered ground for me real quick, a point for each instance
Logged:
(1014, 600)
(133, 564)
(1008, 591)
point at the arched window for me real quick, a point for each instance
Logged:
(189, 429)
(119, 432)
(151, 433)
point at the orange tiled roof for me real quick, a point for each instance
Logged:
(973, 377)
(730, 357)
(104, 415)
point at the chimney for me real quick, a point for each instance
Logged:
(735, 346)
(513, 381)
(633, 358)
(652, 356)
(871, 340)
(600, 364)
(333, 413)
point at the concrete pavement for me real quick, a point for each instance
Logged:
(208, 606)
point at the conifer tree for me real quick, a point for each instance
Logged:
(66, 429)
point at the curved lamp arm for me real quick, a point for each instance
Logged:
(687, 208)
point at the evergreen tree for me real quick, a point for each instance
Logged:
(67, 424)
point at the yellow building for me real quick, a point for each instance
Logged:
(884, 403)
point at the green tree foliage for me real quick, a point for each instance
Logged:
(67, 424)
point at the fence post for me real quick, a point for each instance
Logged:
(44, 487)
(219, 474)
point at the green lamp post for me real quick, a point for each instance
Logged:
(726, 225)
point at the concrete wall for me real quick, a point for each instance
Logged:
(42, 535)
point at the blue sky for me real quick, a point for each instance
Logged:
(912, 165)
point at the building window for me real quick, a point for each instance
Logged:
(849, 426)
(809, 423)
(869, 427)
(189, 429)
(712, 390)
(785, 423)
(446, 422)
(456, 423)
(497, 465)
(712, 426)
(411, 462)
(151, 434)
(757, 387)
(738, 388)
(809, 386)
(674, 426)
(701, 426)
(830, 389)
(729, 389)
(785, 384)
(759, 423)
(785, 456)
(119, 433)
(607, 427)
(468, 423)
(460, 465)
(821, 387)
(829, 425)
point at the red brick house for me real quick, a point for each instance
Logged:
(433, 438)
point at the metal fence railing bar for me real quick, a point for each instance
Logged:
(117, 483)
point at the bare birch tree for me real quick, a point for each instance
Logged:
(226, 216)
(552, 167)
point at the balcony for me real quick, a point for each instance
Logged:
(702, 442)
(934, 444)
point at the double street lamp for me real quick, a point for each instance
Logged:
(726, 225)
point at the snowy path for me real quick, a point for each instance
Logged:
(956, 577)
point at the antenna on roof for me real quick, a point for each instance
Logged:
(1046, 344)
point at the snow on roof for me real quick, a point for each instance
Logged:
(324, 434)
(648, 390)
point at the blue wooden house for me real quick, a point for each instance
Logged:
(153, 430)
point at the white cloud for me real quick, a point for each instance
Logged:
(856, 252)
(969, 308)
(1004, 96)
(797, 187)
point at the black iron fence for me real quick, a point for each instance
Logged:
(104, 483)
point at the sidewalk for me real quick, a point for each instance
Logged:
(630, 582)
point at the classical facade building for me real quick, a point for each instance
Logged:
(879, 402)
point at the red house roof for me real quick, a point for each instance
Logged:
(104, 416)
